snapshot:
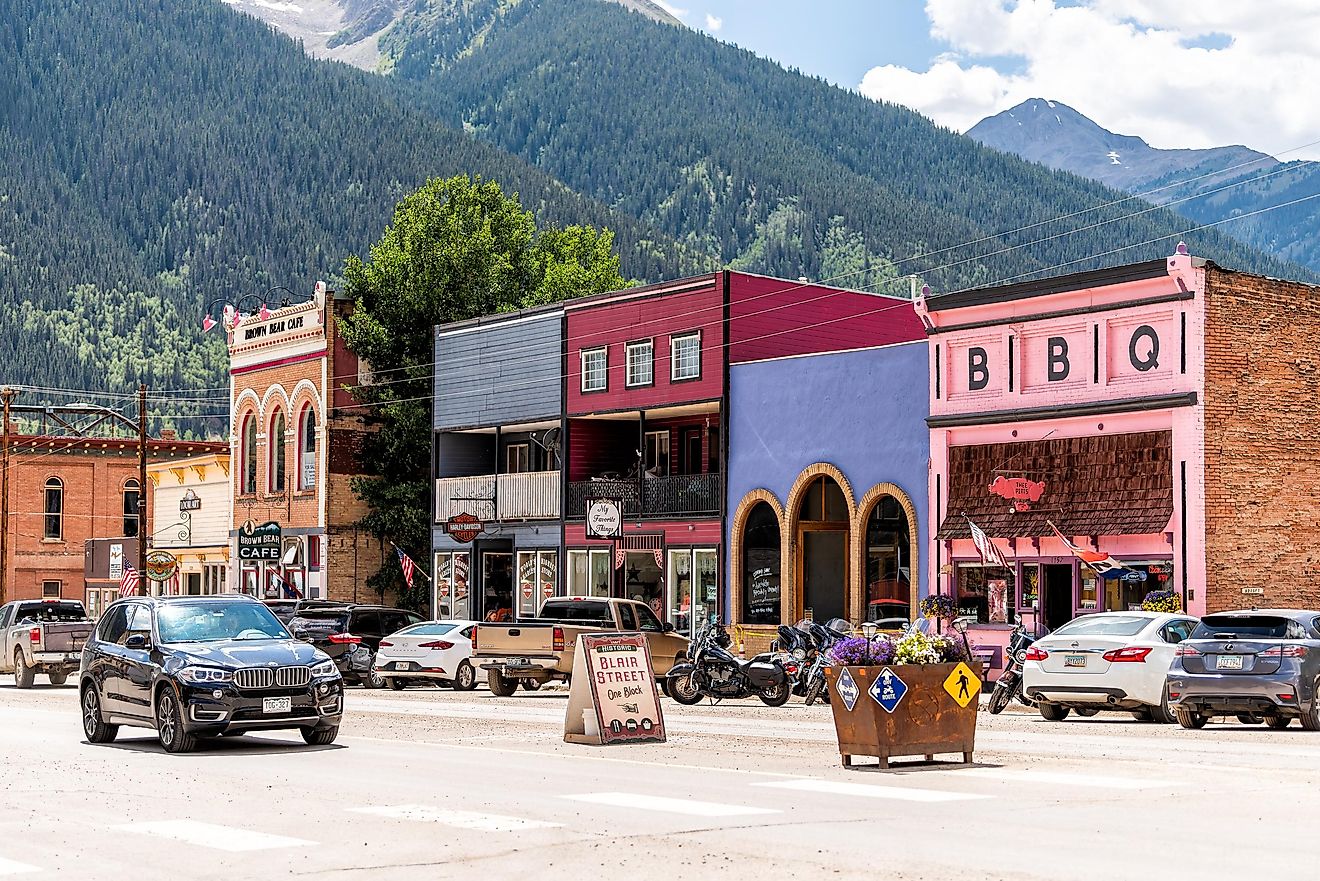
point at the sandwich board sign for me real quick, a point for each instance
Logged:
(612, 697)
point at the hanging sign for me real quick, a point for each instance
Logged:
(190, 502)
(260, 542)
(1018, 490)
(161, 565)
(604, 518)
(612, 696)
(464, 527)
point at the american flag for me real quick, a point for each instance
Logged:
(408, 566)
(131, 581)
(286, 587)
(985, 545)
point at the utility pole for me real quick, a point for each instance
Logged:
(7, 395)
(143, 530)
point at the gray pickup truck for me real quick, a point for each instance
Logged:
(42, 636)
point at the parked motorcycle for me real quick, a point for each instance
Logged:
(824, 636)
(713, 671)
(795, 651)
(1009, 685)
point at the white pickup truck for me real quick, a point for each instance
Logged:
(42, 636)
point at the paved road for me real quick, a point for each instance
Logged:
(430, 784)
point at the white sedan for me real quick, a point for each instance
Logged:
(1106, 661)
(439, 651)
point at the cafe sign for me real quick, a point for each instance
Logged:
(260, 541)
(161, 565)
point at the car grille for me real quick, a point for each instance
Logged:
(267, 677)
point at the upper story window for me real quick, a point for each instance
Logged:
(657, 453)
(132, 492)
(275, 442)
(307, 449)
(247, 454)
(685, 356)
(595, 363)
(641, 364)
(54, 519)
(517, 458)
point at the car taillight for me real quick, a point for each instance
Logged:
(437, 644)
(1131, 654)
(344, 639)
(1187, 651)
(35, 634)
(384, 644)
(1035, 654)
(557, 640)
(1284, 651)
(475, 631)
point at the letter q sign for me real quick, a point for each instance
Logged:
(1144, 348)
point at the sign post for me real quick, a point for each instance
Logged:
(612, 697)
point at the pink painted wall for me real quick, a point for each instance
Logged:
(677, 534)
(774, 318)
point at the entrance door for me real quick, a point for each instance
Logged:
(692, 451)
(1058, 591)
(824, 573)
(496, 586)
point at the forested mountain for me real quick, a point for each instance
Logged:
(158, 154)
(1206, 185)
(768, 169)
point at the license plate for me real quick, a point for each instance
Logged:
(403, 665)
(1228, 662)
(1074, 660)
(276, 704)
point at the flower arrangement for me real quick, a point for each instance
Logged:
(940, 606)
(1162, 601)
(854, 652)
(910, 648)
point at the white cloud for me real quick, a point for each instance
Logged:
(713, 22)
(1178, 74)
(670, 8)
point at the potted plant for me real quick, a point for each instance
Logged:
(911, 695)
(939, 607)
(1162, 601)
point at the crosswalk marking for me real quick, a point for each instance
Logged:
(1058, 778)
(457, 819)
(12, 867)
(866, 790)
(690, 807)
(213, 836)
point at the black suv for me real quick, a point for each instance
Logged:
(193, 667)
(351, 635)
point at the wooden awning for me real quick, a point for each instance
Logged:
(1116, 484)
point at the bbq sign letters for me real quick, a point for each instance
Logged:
(613, 685)
(260, 542)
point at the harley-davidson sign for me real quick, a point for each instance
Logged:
(464, 527)
(1018, 490)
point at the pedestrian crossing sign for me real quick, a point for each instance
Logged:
(963, 685)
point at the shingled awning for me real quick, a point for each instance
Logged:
(1118, 484)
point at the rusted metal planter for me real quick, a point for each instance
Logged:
(926, 722)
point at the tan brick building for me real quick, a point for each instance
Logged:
(296, 437)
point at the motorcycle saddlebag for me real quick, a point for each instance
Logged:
(762, 674)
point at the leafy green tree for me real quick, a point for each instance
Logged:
(457, 248)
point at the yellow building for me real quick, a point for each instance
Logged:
(190, 518)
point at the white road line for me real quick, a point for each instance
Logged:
(11, 867)
(1058, 778)
(866, 790)
(457, 819)
(687, 806)
(213, 836)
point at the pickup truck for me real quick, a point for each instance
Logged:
(541, 650)
(42, 636)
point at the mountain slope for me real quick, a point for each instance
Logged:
(1207, 186)
(160, 154)
(770, 169)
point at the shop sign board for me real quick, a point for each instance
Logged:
(888, 690)
(612, 697)
(161, 565)
(605, 518)
(190, 502)
(1023, 493)
(260, 541)
(116, 562)
(763, 589)
(464, 527)
(1254, 591)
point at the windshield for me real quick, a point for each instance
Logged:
(427, 629)
(1238, 626)
(1103, 625)
(212, 622)
(51, 612)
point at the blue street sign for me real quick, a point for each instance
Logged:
(847, 688)
(888, 690)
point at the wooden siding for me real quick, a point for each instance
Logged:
(598, 445)
(498, 374)
(613, 323)
(775, 318)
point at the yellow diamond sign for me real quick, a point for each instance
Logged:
(963, 685)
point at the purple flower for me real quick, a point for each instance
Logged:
(854, 652)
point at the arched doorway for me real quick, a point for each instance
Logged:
(762, 584)
(823, 524)
(889, 565)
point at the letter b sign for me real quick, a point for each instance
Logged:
(978, 373)
(1057, 368)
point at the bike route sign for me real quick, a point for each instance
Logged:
(888, 690)
(847, 688)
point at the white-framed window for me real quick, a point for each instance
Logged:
(517, 458)
(50, 590)
(589, 573)
(641, 364)
(657, 453)
(595, 365)
(685, 356)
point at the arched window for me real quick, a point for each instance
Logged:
(888, 562)
(823, 549)
(54, 521)
(276, 461)
(248, 454)
(307, 448)
(132, 492)
(761, 589)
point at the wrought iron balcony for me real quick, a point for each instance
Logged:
(678, 495)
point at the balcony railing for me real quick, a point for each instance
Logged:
(683, 494)
(530, 495)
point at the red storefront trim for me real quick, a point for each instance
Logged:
(280, 362)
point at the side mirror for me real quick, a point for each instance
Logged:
(137, 642)
(300, 633)
(666, 627)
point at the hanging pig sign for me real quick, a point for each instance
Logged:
(1018, 490)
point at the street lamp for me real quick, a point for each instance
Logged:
(868, 631)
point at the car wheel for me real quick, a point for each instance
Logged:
(57, 678)
(319, 736)
(397, 684)
(1163, 714)
(1249, 719)
(501, 685)
(97, 731)
(373, 679)
(465, 678)
(169, 724)
(23, 674)
(1144, 714)
(1052, 712)
(530, 685)
(1311, 716)
(1278, 723)
(1189, 718)
(1087, 712)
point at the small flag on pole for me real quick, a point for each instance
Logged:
(286, 587)
(1104, 565)
(264, 313)
(406, 563)
(129, 584)
(207, 323)
(985, 546)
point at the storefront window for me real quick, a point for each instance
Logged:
(760, 566)
(537, 574)
(983, 593)
(679, 602)
(888, 569)
(692, 588)
(1029, 589)
(642, 579)
(451, 586)
(1088, 596)
(1123, 595)
(589, 573)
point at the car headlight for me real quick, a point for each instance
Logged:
(205, 675)
(325, 668)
